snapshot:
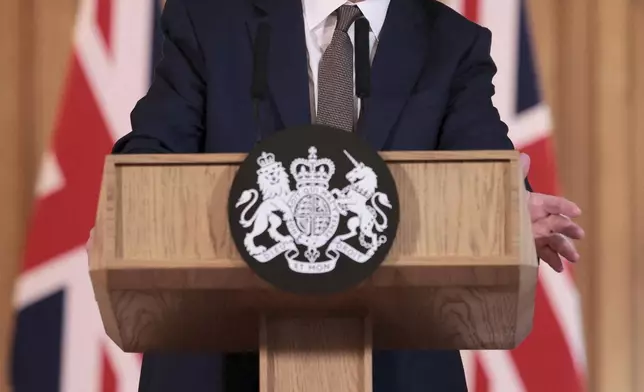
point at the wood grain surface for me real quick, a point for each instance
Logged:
(338, 358)
(461, 273)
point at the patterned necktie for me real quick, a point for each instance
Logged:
(335, 78)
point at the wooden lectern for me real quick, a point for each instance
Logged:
(461, 274)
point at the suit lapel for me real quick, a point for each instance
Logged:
(400, 56)
(288, 78)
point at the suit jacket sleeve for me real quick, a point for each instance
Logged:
(170, 117)
(472, 122)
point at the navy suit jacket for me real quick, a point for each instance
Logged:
(431, 89)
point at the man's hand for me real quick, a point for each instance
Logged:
(552, 225)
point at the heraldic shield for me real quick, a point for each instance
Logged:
(313, 210)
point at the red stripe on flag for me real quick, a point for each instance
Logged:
(104, 21)
(109, 377)
(471, 10)
(62, 220)
(543, 359)
(545, 351)
(543, 172)
(482, 382)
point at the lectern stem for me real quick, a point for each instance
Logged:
(315, 354)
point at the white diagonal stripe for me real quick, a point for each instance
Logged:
(126, 366)
(50, 178)
(80, 361)
(502, 18)
(120, 77)
(501, 372)
(530, 126)
(469, 366)
(564, 299)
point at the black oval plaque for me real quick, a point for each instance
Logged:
(313, 210)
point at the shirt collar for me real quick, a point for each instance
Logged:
(316, 12)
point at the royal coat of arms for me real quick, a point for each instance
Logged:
(310, 223)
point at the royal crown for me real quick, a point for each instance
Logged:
(267, 158)
(266, 162)
(312, 171)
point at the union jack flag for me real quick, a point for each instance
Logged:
(60, 344)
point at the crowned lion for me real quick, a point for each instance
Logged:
(274, 185)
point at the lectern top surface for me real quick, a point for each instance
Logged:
(389, 156)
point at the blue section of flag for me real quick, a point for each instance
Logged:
(37, 351)
(528, 94)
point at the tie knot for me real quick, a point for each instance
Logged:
(347, 14)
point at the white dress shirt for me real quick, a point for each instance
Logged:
(319, 23)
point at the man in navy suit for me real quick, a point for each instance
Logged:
(430, 89)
